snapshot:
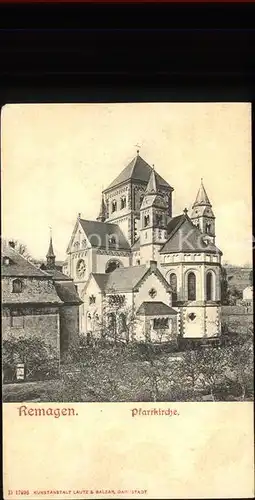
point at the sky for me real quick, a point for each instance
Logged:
(57, 158)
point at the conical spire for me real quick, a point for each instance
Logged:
(102, 213)
(152, 187)
(202, 198)
(50, 254)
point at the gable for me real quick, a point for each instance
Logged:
(78, 236)
(152, 283)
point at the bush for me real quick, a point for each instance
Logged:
(40, 360)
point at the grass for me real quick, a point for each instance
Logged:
(30, 391)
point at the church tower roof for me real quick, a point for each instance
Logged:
(50, 252)
(137, 170)
(152, 196)
(102, 212)
(50, 257)
(152, 186)
(202, 198)
(202, 208)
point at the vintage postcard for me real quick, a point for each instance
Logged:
(127, 300)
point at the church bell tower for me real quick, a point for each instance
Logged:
(153, 220)
(202, 214)
(50, 257)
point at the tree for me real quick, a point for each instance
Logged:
(224, 287)
(191, 368)
(118, 320)
(101, 375)
(40, 360)
(212, 366)
(251, 277)
(234, 294)
(239, 359)
(158, 372)
(20, 248)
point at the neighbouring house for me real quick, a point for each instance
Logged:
(38, 303)
(248, 295)
(136, 226)
(67, 292)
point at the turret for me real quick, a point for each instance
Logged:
(202, 214)
(103, 212)
(153, 217)
(50, 257)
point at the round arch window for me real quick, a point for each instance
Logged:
(81, 268)
(112, 265)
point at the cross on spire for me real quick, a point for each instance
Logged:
(138, 148)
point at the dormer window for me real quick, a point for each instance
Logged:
(114, 206)
(123, 202)
(17, 286)
(6, 261)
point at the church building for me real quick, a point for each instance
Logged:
(141, 272)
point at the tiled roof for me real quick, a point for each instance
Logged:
(50, 252)
(155, 309)
(67, 293)
(99, 233)
(173, 223)
(19, 266)
(102, 212)
(136, 245)
(125, 278)
(101, 279)
(202, 198)
(138, 169)
(56, 274)
(186, 237)
(152, 186)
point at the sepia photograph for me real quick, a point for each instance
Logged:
(126, 253)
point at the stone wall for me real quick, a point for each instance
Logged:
(69, 327)
(33, 290)
(237, 319)
(40, 321)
